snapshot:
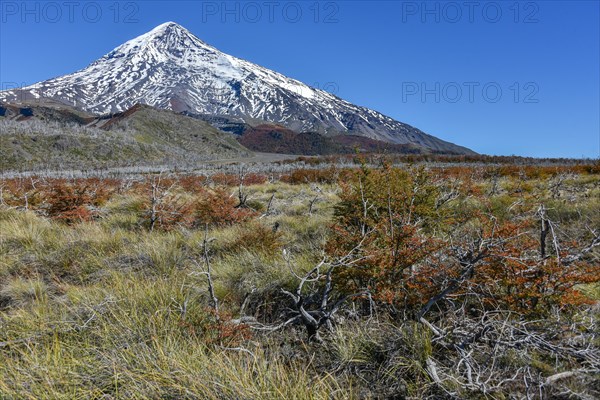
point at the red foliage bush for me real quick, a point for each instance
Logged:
(221, 179)
(218, 208)
(381, 215)
(75, 200)
(167, 206)
(388, 218)
(522, 279)
(192, 183)
(254, 179)
(23, 192)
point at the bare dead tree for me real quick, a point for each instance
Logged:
(468, 261)
(494, 189)
(544, 230)
(162, 205)
(312, 204)
(2, 202)
(315, 301)
(30, 193)
(269, 206)
(156, 196)
(366, 206)
(448, 192)
(476, 348)
(207, 272)
(548, 227)
(556, 185)
(317, 308)
(580, 254)
(242, 196)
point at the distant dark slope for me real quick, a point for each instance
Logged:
(277, 139)
(44, 110)
(268, 138)
(34, 137)
(368, 145)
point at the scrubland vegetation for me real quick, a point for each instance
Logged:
(139, 137)
(371, 282)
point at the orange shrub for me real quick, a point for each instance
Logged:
(221, 179)
(192, 183)
(75, 200)
(389, 220)
(24, 192)
(255, 179)
(218, 208)
(381, 215)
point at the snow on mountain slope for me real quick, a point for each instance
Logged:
(170, 68)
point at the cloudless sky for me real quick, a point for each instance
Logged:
(500, 77)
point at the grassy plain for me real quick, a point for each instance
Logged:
(96, 301)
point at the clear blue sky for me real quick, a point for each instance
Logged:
(436, 65)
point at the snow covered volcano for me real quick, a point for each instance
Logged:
(170, 68)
